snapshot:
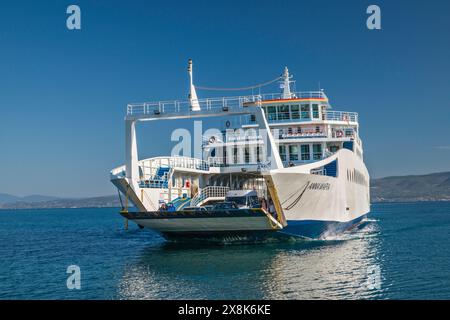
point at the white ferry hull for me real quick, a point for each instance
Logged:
(318, 205)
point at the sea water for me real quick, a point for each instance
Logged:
(401, 251)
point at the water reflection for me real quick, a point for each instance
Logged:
(331, 269)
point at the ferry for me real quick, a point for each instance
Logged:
(282, 164)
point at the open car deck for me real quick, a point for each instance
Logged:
(205, 222)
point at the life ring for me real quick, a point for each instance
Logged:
(339, 133)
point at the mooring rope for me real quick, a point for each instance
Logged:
(240, 88)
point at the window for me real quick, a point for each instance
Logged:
(334, 148)
(317, 129)
(305, 152)
(252, 118)
(272, 113)
(293, 153)
(282, 150)
(305, 111)
(348, 132)
(317, 151)
(295, 112)
(323, 112)
(247, 155)
(235, 155)
(289, 130)
(283, 112)
(258, 154)
(315, 110)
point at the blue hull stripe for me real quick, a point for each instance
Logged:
(315, 228)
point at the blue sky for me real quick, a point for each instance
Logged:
(63, 93)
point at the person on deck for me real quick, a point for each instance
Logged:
(271, 208)
(264, 204)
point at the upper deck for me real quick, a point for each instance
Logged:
(278, 110)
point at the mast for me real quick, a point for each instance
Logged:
(195, 106)
(286, 84)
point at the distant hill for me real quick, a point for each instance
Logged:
(94, 202)
(8, 198)
(429, 187)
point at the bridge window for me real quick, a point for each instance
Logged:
(272, 113)
(305, 111)
(317, 151)
(295, 112)
(315, 111)
(305, 152)
(293, 153)
(283, 112)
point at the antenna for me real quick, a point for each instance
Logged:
(195, 106)
(285, 84)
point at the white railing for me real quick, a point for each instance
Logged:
(164, 107)
(188, 163)
(151, 166)
(296, 95)
(340, 116)
(209, 192)
(344, 116)
(216, 161)
(304, 135)
(234, 161)
(177, 106)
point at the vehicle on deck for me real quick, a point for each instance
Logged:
(244, 199)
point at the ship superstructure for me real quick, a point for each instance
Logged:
(303, 159)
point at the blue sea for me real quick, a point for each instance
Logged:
(401, 251)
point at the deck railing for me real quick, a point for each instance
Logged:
(298, 95)
(225, 162)
(341, 116)
(168, 107)
(209, 192)
(150, 166)
(177, 106)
